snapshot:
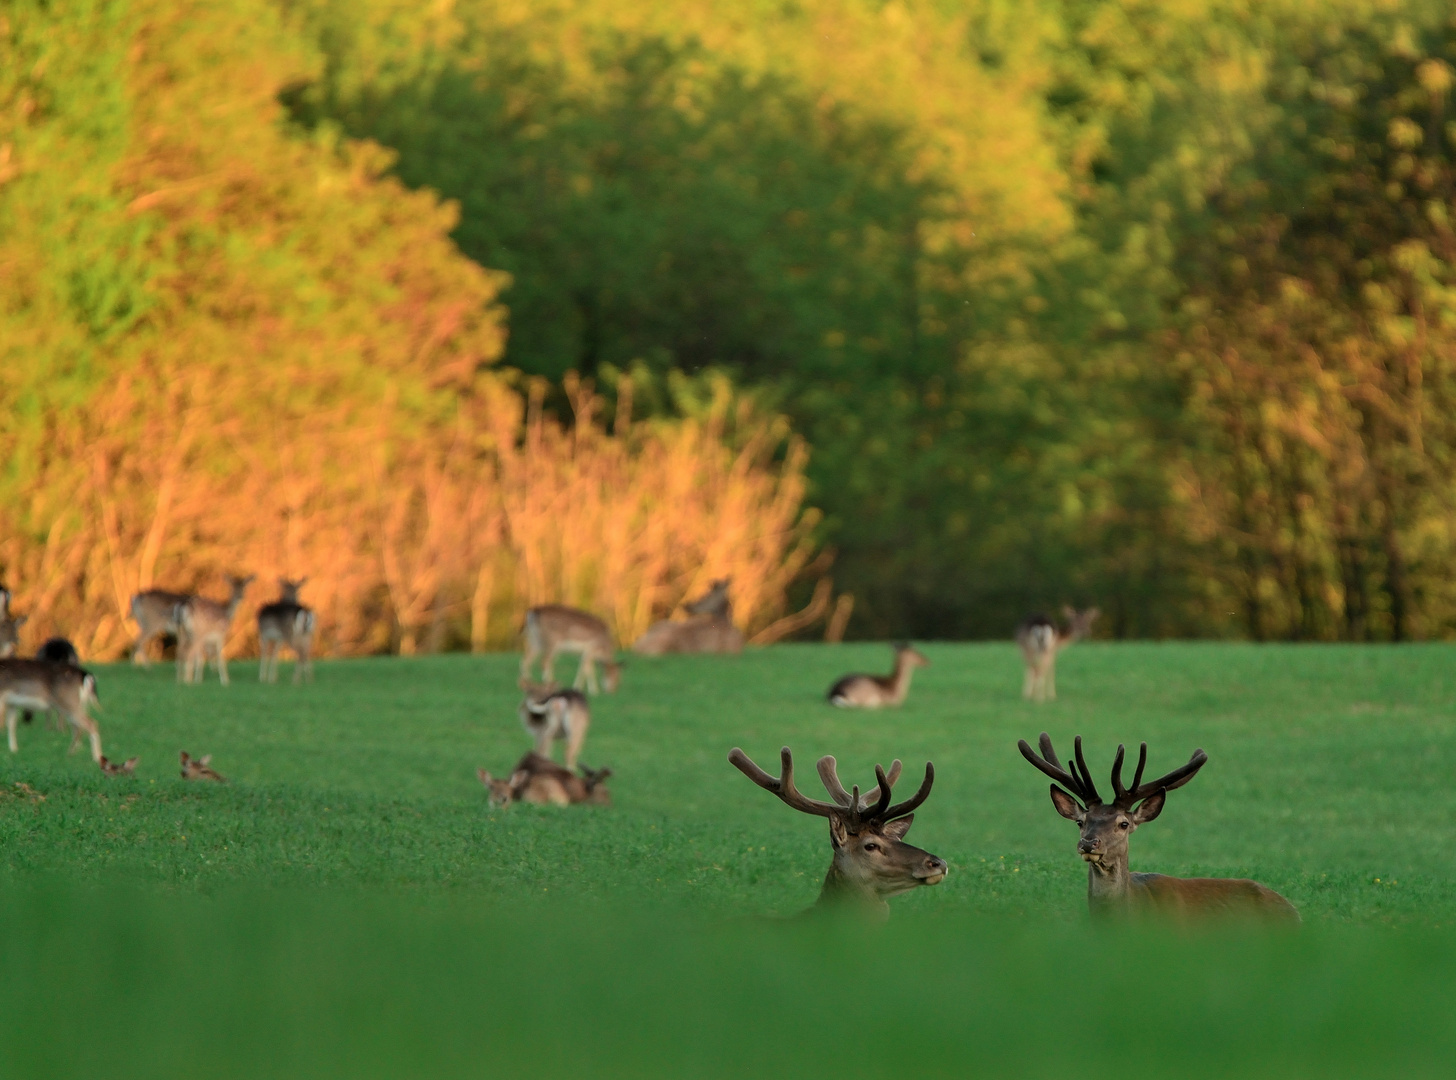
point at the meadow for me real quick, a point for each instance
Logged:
(348, 905)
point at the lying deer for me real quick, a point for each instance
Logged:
(200, 768)
(549, 713)
(871, 861)
(1111, 888)
(204, 627)
(36, 685)
(540, 780)
(1040, 640)
(708, 629)
(155, 612)
(873, 691)
(111, 768)
(552, 629)
(285, 624)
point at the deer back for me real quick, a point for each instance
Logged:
(699, 634)
(156, 610)
(46, 684)
(560, 626)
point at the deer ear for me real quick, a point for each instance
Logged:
(483, 776)
(897, 829)
(519, 778)
(205, 759)
(1067, 806)
(838, 834)
(1150, 808)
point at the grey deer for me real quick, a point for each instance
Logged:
(286, 624)
(1105, 827)
(552, 629)
(204, 629)
(156, 612)
(37, 685)
(871, 860)
(1041, 640)
(708, 629)
(875, 691)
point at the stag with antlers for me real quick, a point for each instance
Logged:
(1111, 887)
(872, 862)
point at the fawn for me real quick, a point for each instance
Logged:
(874, 691)
(552, 629)
(1040, 641)
(285, 623)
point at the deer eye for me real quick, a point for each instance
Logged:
(872, 847)
(1122, 824)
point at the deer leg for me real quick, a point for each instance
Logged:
(575, 737)
(139, 650)
(80, 722)
(305, 657)
(12, 719)
(1051, 680)
(586, 673)
(529, 656)
(549, 666)
(1028, 683)
(221, 664)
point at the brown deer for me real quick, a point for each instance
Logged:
(111, 768)
(204, 627)
(155, 612)
(200, 769)
(552, 629)
(707, 629)
(874, 691)
(1111, 888)
(549, 713)
(1040, 640)
(540, 780)
(56, 650)
(871, 861)
(285, 624)
(36, 685)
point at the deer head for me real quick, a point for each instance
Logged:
(1107, 826)
(112, 768)
(288, 590)
(871, 859)
(1079, 623)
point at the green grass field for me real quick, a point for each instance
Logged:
(347, 905)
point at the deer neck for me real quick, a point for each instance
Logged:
(900, 680)
(1108, 883)
(842, 890)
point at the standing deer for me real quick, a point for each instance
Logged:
(204, 628)
(36, 685)
(200, 769)
(56, 650)
(871, 861)
(1040, 641)
(549, 713)
(555, 628)
(1111, 888)
(156, 613)
(540, 780)
(285, 623)
(873, 691)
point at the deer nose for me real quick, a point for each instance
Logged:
(935, 864)
(1088, 844)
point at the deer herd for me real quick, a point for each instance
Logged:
(871, 860)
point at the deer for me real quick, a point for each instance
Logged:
(9, 627)
(56, 650)
(156, 613)
(551, 629)
(1111, 887)
(871, 860)
(204, 628)
(539, 780)
(707, 629)
(1040, 640)
(875, 691)
(37, 685)
(111, 768)
(549, 713)
(200, 769)
(285, 623)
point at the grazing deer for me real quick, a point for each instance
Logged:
(204, 628)
(156, 612)
(871, 862)
(285, 623)
(200, 769)
(549, 713)
(1111, 888)
(1040, 641)
(540, 780)
(126, 768)
(555, 628)
(40, 684)
(873, 691)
